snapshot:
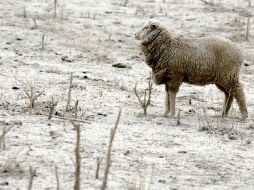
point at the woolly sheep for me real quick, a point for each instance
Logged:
(202, 61)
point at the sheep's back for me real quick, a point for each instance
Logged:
(203, 61)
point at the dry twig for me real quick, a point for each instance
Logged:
(32, 96)
(69, 93)
(52, 106)
(31, 177)
(147, 98)
(247, 28)
(77, 155)
(43, 41)
(76, 109)
(178, 122)
(108, 159)
(35, 23)
(57, 177)
(24, 12)
(2, 137)
(207, 3)
(125, 3)
(98, 163)
(55, 5)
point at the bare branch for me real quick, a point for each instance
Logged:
(178, 122)
(69, 93)
(2, 137)
(76, 109)
(43, 41)
(247, 28)
(147, 97)
(52, 106)
(136, 93)
(108, 160)
(32, 96)
(31, 177)
(57, 177)
(78, 157)
(55, 5)
(98, 163)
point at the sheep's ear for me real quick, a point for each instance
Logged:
(153, 26)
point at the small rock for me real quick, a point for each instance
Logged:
(53, 134)
(102, 114)
(15, 88)
(59, 113)
(232, 137)
(85, 77)
(66, 58)
(58, 53)
(162, 181)
(8, 43)
(251, 127)
(17, 122)
(126, 153)
(119, 65)
(5, 183)
(19, 39)
(80, 56)
(191, 111)
(246, 64)
(182, 152)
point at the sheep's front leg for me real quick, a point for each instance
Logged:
(172, 100)
(173, 87)
(167, 101)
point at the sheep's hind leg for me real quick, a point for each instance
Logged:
(238, 93)
(172, 100)
(227, 101)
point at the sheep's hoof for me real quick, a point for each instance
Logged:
(165, 114)
(171, 115)
(244, 117)
(224, 115)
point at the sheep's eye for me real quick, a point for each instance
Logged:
(153, 26)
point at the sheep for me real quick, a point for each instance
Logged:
(201, 61)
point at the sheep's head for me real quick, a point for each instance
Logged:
(148, 32)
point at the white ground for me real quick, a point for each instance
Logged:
(152, 151)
